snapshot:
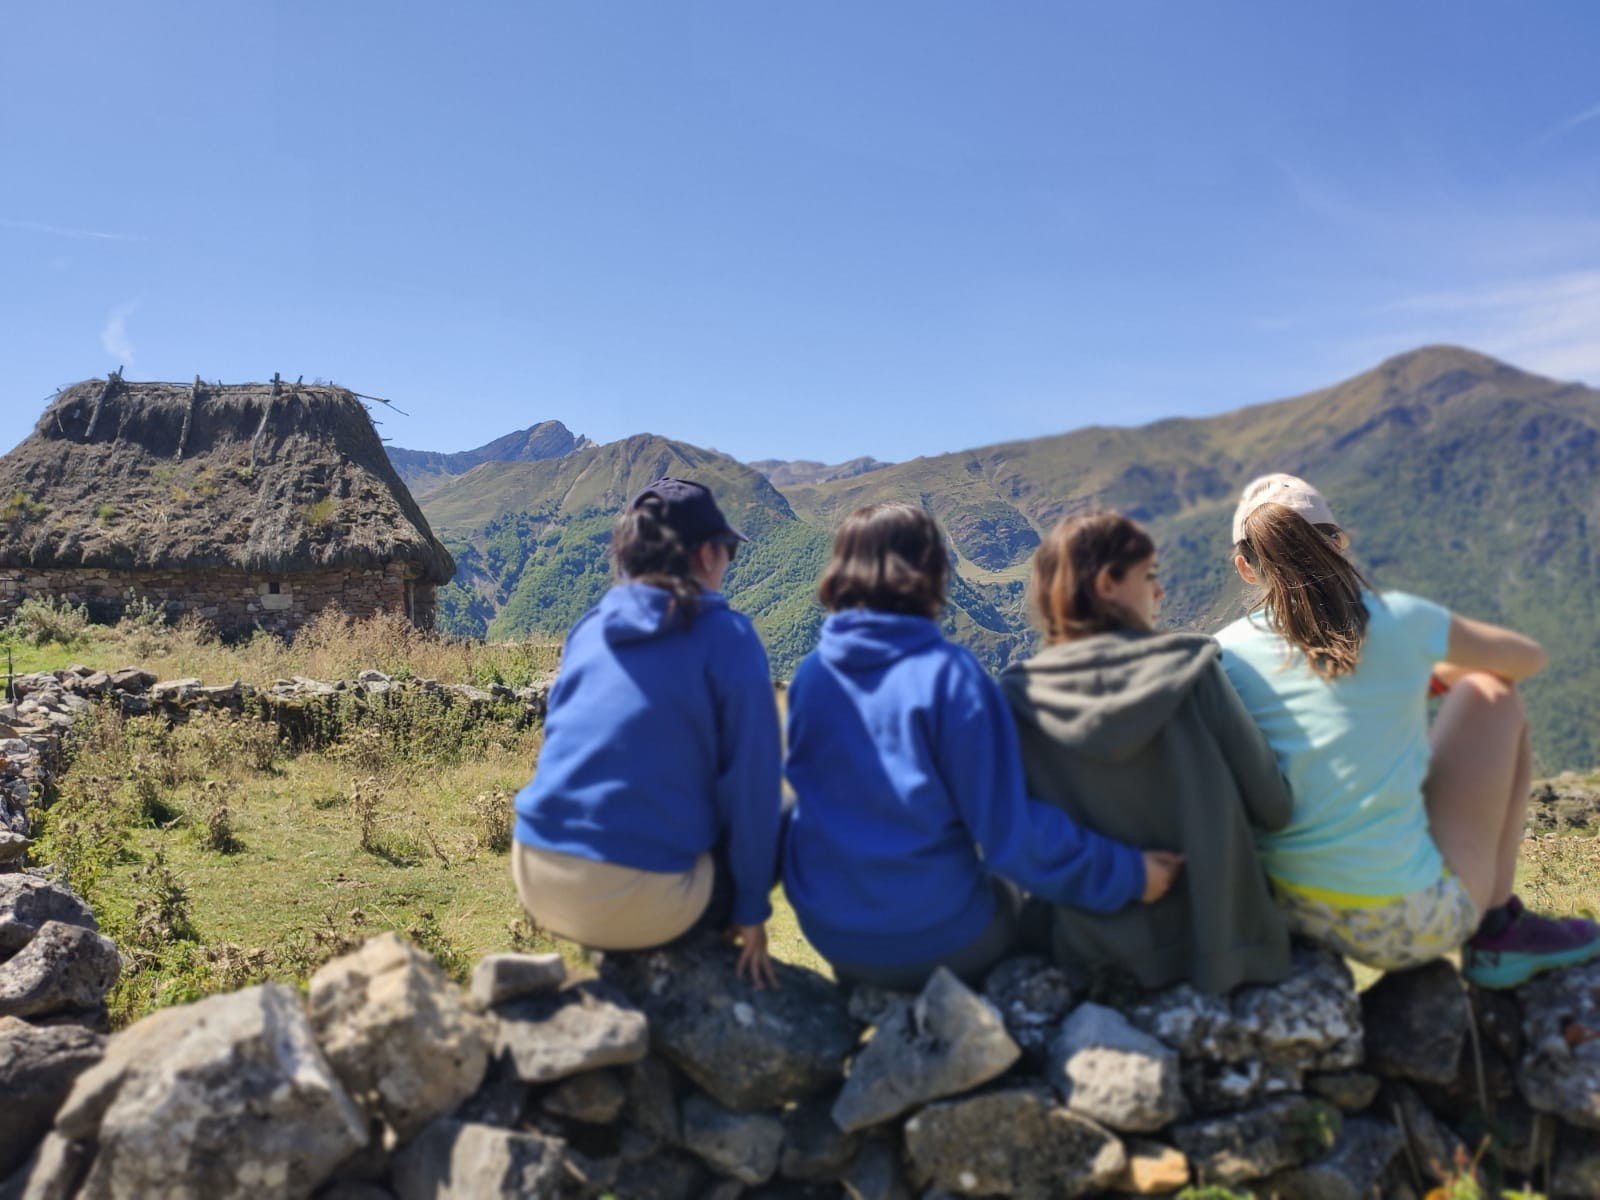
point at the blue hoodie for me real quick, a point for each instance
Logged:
(909, 787)
(659, 742)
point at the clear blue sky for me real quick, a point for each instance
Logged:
(792, 230)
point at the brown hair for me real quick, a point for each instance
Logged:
(888, 557)
(1309, 591)
(1066, 565)
(645, 549)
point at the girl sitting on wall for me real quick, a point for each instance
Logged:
(655, 807)
(911, 814)
(1403, 842)
(1139, 735)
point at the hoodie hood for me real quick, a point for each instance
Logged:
(635, 612)
(1107, 696)
(861, 639)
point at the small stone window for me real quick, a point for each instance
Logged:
(274, 588)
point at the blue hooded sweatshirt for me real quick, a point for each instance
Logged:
(660, 741)
(909, 785)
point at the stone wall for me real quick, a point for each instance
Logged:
(229, 598)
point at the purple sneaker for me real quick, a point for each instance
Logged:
(1528, 946)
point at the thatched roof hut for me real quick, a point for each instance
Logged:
(272, 480)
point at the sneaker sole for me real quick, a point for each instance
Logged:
(1514, 969)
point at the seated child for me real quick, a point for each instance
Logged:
(1403, 842)
(1138, 735)
(910, 806)
(655, 806)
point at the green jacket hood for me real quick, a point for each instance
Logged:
(1108, 695)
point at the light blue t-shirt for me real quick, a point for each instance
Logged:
(1354, 750)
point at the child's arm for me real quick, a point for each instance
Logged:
(1254, 766)
(1035, 845)
(1480, 646)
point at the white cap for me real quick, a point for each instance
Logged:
(1290, 491)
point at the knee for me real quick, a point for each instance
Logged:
(1491, 691)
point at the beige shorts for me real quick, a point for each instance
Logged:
(605, 906)
(1392, 935)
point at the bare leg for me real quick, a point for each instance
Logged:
(1477, 785)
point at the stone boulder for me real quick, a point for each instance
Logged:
(592, 1098)
(227, 1097)
(450, 1160)
(815, 1149)
(579, 1028)
(1032, 995)
(65, 968)
(1352, 1170)
(743, 1145)
(1416, 1023)
(1236, 1148)
(37, 1069)
(1560, 1068)
(1013, 1142)
(399, 1034)
(27, 901)
(948, 1040)
(747, 1048)
(1106, 1070)
(499, 978)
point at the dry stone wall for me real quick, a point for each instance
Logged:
(662, 1075)
(229, 598)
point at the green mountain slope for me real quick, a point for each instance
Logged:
(1460, 477)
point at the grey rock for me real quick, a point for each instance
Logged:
(1416, 1023)
(227, 1097)
(37, 1070)
(815, 1150)
(876, 1173)
(749, 1049)
(55, 1172)
(501, 1099)
(349, 1189)
(592, 1098)
(132, 679)
(1352, 1170)
(652, 1104)
(670, 1176)
(451, 1160)
(1524, 1139)
(1219, 1086)
(1575, 1170)
(869, 1005)
(501, 977)
(743, 1145)
(27, 902)
(1013, 1142)
(1433, 1146)
(1033, 996)
(63, 967)
(13, 846)
(1105, 1069)
(1349, 1091)
(1236, 1148)
(398, 1033)
(1560, 1068)
(947, 1041)
(175, 691)
(580, 1028)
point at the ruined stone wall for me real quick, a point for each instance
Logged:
(229, 598)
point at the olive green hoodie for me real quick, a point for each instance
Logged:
(1140, 737)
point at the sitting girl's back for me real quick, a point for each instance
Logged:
(1139, 736)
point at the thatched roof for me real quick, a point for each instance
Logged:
(259, 476)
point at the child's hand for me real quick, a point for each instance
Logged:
(1161, 867)
(754, 963)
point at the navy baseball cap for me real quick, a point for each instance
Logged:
(689, 510)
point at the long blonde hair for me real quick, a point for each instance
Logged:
(1308, 590)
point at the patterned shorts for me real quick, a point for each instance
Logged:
(1393, 935)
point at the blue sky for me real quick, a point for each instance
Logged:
(792, 230)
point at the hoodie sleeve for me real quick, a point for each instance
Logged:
(1254, 766)
(748, 771)
(1035, 845)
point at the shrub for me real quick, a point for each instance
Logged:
(492, 817)
(42, 620)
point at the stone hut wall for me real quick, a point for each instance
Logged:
(230, 598)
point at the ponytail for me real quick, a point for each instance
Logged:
(1308, 590)
(645, 549)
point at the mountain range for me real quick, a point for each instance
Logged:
(1459, 477)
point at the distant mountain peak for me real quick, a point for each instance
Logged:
(424, 470)
(783, 473)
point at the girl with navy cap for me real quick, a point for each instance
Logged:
(655, 807)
